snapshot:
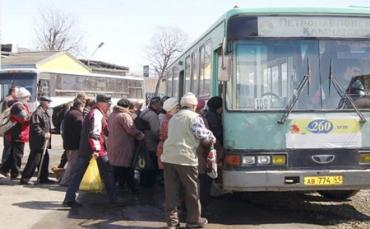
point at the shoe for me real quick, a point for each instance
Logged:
(14, 176)
(26, 182)
(48, 181)
(6, 175)
(202, 222)
(177, 226)
(57, 172)
(72, 204)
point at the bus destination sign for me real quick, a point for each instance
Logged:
(312, 26)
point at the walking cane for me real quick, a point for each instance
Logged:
(42, 160)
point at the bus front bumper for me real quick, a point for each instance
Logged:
(292, 180)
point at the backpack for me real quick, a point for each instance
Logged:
(5, 123)
(58, 116)
(141, 124)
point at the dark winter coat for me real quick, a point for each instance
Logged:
(39, 125)
(215, 124)
(151, 136)
(72, 129)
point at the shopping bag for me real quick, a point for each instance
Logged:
(91, 181)
(212, 163)
(5, 123)
(142, 160)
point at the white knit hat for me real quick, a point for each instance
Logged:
(170, 104)
(189, 99)
(22, 92)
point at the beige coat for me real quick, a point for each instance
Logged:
(121, 139)
(181, 145)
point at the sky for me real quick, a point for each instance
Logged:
(126, 27)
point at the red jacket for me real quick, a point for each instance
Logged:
(163, 135)
(20, 114)
(93, 133)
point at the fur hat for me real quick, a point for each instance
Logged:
(22, 92)
(103, 99)
(189, 99)
(124, 103)
(170, 104)
(214, 103)
(155, 99)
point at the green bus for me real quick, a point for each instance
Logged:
(296, 89)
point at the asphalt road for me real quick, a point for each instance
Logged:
(40, 206)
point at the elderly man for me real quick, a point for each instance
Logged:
(18, 135)
(71, 140)
(39, 136)
(185, 131)
(151, 139)
(92, 144)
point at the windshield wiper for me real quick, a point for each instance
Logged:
(297, 92)
(341, 92)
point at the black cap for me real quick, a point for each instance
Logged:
(124, 103)
(155, 99)
(45, 98)
(214, 103)
(164, 98)
(103, 99)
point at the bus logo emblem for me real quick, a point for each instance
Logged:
(320, 126)
(323, 159)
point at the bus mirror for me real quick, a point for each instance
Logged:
(224, 66)
(224, 69)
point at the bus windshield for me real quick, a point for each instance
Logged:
(18, 79)
(266, 72)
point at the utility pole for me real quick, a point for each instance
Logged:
(99, 46)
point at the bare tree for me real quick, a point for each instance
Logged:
(166, 44)
(56, 30)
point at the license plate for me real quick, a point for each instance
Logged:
(323, 180)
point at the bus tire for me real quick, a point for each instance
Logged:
(338, 194)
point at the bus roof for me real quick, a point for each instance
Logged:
(314, 11)
(355, 11)
(34, 70)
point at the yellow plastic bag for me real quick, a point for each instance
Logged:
(91, 181)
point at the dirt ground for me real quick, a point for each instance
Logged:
(40, 207)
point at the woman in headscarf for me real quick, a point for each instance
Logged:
(171, 107)
(121, 143)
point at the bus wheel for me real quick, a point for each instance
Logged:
(338, 195)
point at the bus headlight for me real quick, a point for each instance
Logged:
(278, 159)
(248, 160)
(263, 160)
(365, 158)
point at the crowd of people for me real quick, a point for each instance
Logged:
(173, 136)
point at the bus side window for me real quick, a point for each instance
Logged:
(205, 69)
(187, 74)
(175, 82)
(169, 83)
(195, 72)
(43, 88)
